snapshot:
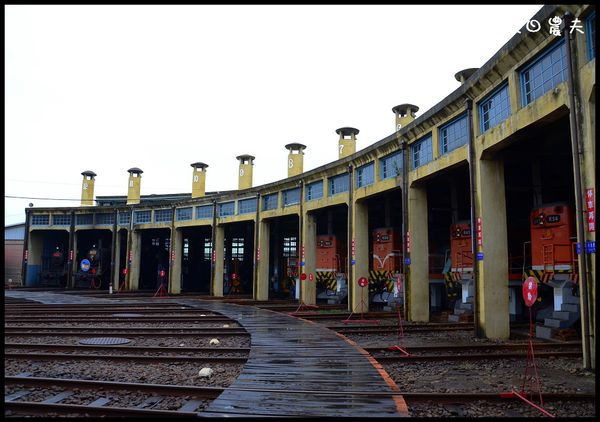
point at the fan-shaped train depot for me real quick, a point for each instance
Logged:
(492, 185)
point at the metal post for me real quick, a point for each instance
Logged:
(113, 253)
(213, 252)
(577, 152)
(70, 281)
(25, 250)
(469, 108)
(129, 241)
(350, 270)
(300, 245)
(256, 246)
(405, 270)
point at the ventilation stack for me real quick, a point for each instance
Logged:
(199, 180)
(134, 186)
(295, 162)
(405, 113)
(87, 188)
(246, 164)
(347, 145)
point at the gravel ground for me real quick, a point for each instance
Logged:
(557, 374)
(177, 373)
(225, 341)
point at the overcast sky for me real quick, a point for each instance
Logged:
(107, 88)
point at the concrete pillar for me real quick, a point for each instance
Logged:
(262, 282)
(177, 247)
(418, 286)
(309, 243)
(87, 188)
(360, 234)
(492, 289)
(136, 252)
(199, 180)
(219, 257)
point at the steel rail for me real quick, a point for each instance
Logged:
(537, 345)
(124, 329)
(122, 334)
(473, 356)
(45, 408)
(131, 358)
(125, 348)
(174, 390)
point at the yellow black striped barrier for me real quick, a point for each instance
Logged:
(326, 280)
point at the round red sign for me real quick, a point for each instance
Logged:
(125, 271)
(530, 291)
(303, 276)
(362, 282)
(162, 273)
(234, 276)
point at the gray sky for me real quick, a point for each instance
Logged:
(107, 88)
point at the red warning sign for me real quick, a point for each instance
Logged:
(310, 277)
(162, 273)
(234, 276)
(303, 276)
(530, 291)
(362, 282)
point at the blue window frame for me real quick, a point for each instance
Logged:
(290, 197)
(421, 151)
(83, 219)
(226, 209)
(314, 191)
(182, 214)
(365, 175)
(270, 202)
(544, 73)
(141, 217)
(124, 217)
(163, 216)
(338, 184)
(494, 109)
(40, 219)
(590, 24)
(61, 219)
(453, 135)
(246, 206)
(390, 165)
(204, 212)
(105, 218)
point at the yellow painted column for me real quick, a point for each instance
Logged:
(177, 247)
(492, 287)
(262, 282)
(219, 257)
(360, 234)
(136, 251)
(418, 285)
(309, 242)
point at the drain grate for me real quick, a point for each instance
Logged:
(105, 340)
(126, 315)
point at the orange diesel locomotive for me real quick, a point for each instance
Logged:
(386, 259)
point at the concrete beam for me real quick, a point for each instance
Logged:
(418, 281)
